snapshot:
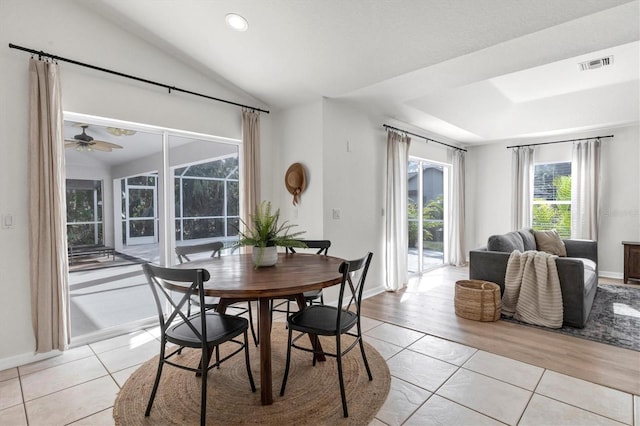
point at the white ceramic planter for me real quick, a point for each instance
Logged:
(265, 256)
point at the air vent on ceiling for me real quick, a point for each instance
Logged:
(596, 63)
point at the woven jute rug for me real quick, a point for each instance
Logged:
(312, 395)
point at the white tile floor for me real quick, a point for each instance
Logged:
(434, 382)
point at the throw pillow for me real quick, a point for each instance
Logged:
(550, 242)
(506, 242)
(527, 238)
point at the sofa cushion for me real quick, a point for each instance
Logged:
(589, 265)
(506, 242)
(528, 239)
(550, 242)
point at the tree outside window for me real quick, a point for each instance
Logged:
(552, 198)
(84, 212)
(207, 199)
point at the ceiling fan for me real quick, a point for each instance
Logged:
(83, 142)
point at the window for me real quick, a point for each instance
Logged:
(552, 197)
(139, 209)
(84, 212)
(208, 200)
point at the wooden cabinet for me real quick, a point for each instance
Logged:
(631, 260)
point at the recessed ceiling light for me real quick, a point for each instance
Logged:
(236, 22)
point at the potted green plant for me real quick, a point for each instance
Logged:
(265, 234)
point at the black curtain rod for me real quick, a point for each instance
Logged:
(568, 140)
(423, 137)
(155, 83)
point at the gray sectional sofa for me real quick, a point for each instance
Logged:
(578, 272)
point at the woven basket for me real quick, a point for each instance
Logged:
(478, 300)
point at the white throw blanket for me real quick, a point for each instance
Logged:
(532, 289)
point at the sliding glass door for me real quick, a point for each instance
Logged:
(159, 189)
(425, 214)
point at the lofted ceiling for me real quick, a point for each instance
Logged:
(473, 71)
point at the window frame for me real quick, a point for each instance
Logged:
(565, 231)
(226, 180)
(97, 209)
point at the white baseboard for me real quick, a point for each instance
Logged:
(365, 294)
(29, 357)
(373, 292)
(25, 358)
(609, 274)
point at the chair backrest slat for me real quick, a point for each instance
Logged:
(187, 282)
(183, 251)
(354, 274)
(321, 245)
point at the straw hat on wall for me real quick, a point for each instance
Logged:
(295, 181)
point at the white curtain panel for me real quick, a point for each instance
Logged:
(522, 186)
(396, 233)
(457, 254)
(251, 163)
(585, 189)
(47, 210)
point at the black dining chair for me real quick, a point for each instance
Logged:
(311, 297)
(215, 249)
(205, 330)
(323, 320)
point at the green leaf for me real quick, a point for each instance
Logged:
(265, 230)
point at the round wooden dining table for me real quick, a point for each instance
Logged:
(234, 278)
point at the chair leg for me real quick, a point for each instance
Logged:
(340, 378)
(286, 368)
(253, 331)
(246, 358)
(156, 382)
(315, 345)
(203, 396)
(364, 358)
(271, 312)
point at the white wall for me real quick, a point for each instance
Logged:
(489, 182)
(428, 150)
(317, 135)
(354, 182)
(53, 27)
(298, 136)
(620, 198)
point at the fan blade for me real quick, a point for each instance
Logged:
(69, 144)
(106, 144)
(100, 147)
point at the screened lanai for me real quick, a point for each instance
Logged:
(155, 189)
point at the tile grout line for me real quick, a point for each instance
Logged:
(458, 367)
(582, 408)
(532, 392)
(95, 355)
(24, 404)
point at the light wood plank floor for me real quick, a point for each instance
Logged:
(426, 305)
